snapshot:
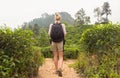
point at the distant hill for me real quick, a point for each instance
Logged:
(45, 20)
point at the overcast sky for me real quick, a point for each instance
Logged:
(16, 12)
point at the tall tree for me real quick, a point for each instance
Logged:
(36, 29)
(97, 12)
(45, 15)
(81, 17)
(106, 10)
(87, 19)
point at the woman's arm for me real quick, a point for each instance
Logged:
(64, 29)
(49, 31)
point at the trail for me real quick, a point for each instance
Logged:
(47, 70)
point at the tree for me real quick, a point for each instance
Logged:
(81, 17)
(30, 27)
(36, 29)
(106, 10)
(42, 38)
(97, 12)
(87, 19)
(44, 15)
(24, 26)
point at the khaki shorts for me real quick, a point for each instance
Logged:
(57, 46)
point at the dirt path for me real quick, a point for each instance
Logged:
(47, 70)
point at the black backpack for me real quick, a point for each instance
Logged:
(57, 33)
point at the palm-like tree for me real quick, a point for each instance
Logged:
(106, 10)
(81, 17)
(97, 12)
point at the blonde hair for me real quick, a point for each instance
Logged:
(57, 17)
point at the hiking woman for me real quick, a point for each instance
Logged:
(57, 32)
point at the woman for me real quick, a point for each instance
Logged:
(57, 47)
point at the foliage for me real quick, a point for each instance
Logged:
(82, 63)
(46, 52)
(71, 52)
(37, 59)
(97, 12)
(81, 17)
(43, 38)
(35, 28)
(75, 33)
(101, 38)
(106, 10)
(100, 12)
(100, 52)
(88, 66)
(17, 55)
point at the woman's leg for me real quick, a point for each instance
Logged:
(60, 54)
(55, 58)
(60, 62)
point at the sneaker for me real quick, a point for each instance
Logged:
(59, 72)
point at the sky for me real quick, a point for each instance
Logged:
(14, 13)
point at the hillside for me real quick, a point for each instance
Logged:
(46, 19)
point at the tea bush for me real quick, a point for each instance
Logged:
(17, 55)
(101, 38)
(46, 52)
(102, 46)
(36, 60)
(70, 52)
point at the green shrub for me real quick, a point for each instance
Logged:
(46, 52)
(17, 53)
(101, 38)
(75, 33)
(103, 42)
(88, 66)
(82, 63)
(42, 38)
(36, 61)
(71, 52)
